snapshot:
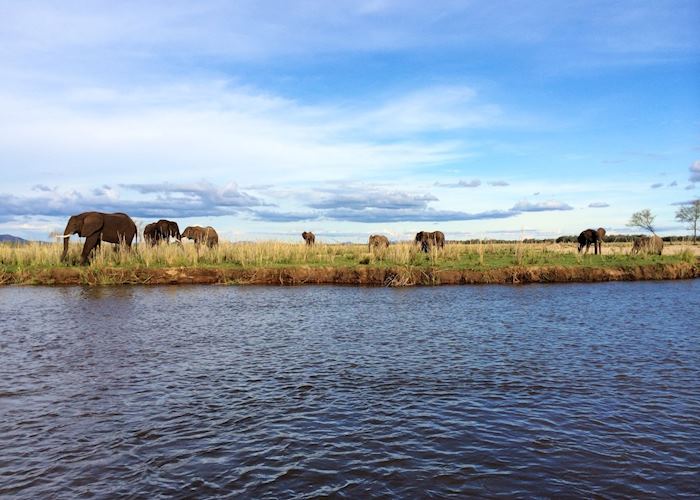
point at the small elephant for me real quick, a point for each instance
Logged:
(426, 240)
(590, 236)
(309, 237)
(206, 235)
(648, 244)
(162, 230)
(378, 241)
(95, 227)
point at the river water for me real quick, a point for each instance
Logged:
(263, 392)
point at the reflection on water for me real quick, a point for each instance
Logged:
(585, 390)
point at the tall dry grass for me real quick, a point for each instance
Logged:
(276, 253)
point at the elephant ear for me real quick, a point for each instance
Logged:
(91, 224)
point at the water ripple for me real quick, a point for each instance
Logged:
(566, 390)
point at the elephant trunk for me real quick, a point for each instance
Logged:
(66, 236)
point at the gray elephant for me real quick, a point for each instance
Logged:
(648, 244)
(96, 227)
(162, 230)
(309, 237)
(378, 241)
(206, 235)
(591, 236)
(426, 240)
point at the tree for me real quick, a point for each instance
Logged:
(643, 219)
(690, 213)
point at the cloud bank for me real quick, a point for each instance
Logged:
(348, 202)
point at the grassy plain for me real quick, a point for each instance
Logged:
(275, 254)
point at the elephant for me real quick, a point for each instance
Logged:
(309, 237)
(648, 244)
(378, 241)
(426, 239)
(95, 227)
(589, 236)
(206, 235)
(162, 230)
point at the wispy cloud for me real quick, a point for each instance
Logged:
(542, 206)
(360, 197)
(656, 185)
(246, 30)
(695, 171)
(360, 202)
(598, 204)
(374, 215)
(234, 131)
(460, 184)
(197, 200)
(497, 183)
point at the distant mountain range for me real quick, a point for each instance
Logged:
(8, 238)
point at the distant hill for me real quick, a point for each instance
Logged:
(8, 238)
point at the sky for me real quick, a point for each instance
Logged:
(502, 119)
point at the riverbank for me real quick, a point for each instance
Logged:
(356, 275)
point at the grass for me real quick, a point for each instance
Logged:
(274, 254)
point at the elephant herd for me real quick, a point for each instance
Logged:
(119, 228)
(641, 244)
(425, 239)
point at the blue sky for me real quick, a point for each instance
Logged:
(263, 119)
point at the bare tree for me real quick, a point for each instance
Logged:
(690, 214)
(643, 219)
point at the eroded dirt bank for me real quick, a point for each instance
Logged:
(368, 276)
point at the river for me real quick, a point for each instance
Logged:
(266, 392)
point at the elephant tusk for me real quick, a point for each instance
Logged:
(62, 236)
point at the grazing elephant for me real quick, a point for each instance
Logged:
(96, 227)
(206, 235)
(378, 241)
(151, 234)
(162, 230)
(648, 244)
(426, 239)
(309, 237)
(591, 236)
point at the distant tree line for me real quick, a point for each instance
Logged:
(610, 238)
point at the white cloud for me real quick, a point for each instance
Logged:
(161, 200)
(460, 184)
(542, 206)
(695, 171)
(245, 29)
(180, 130)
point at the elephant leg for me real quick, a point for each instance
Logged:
(92, 242)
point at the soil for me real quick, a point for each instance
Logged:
(362, 275)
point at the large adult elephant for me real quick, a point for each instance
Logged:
(206, 235)
(648, 244)
(162, 230)
(96, 227)
(309, 237)
(378, 241)
(591, 236)
(427, 239)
